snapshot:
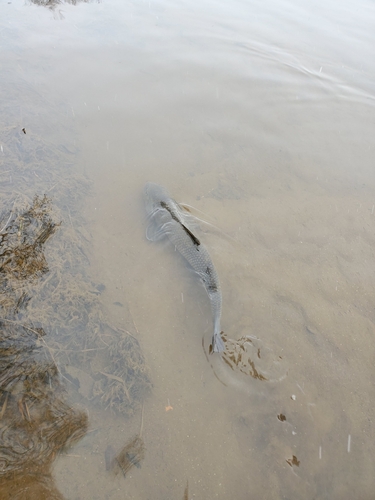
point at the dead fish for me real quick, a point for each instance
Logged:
(167, 219)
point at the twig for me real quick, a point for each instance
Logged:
(36, 333)
(124, 331)
(114, 377)
(50, 189)
(11, 213)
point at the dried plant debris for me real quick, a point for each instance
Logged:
(293, 461)
(126, 378)
(186, 492)
(22, 238)
(60, 297)
(54, 3)
(251, 356)
(35, 420)
(22, 349)
(45, 281)
(51, 318)
(132, 454)
(238, 357)
(66, 303)
(30, 487)
(109, 369)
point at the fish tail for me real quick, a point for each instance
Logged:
(217, 342)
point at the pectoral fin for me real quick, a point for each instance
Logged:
(155, 233)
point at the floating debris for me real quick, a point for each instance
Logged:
(186, 493)
(281, 417)
(51, 4)
(132, 454)
(21, 246)
(238, 354)
(293, 461)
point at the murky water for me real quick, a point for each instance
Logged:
(261, 116)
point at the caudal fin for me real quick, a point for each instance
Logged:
(217, 343)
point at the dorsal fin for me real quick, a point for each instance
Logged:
(192, 236)
(177, 219)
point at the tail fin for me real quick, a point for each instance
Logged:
(217, 343)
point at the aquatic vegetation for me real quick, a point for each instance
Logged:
(51, 317)
(236, 356)
(36, 421)
(250, 356)
(53, 3)
(45, 283)
(132, 454)
(21, 252)
(66, 304)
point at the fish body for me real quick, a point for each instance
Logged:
(168, 220)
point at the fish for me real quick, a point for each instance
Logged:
(168, 220)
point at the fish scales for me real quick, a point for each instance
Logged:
(167, 219)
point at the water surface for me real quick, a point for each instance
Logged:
(260, 115)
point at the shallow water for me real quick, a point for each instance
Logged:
(260, 115)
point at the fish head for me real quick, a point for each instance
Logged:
(155, 191)
(154, 195)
